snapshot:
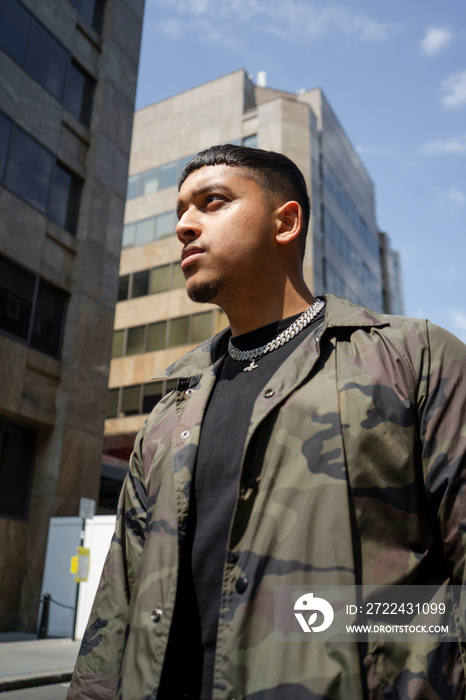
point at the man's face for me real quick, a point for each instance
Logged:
(227, 230)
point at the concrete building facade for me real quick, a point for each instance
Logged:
(69, 70)
(155, 322)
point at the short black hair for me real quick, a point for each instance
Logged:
(275, 174)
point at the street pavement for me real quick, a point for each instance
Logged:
(28, 663)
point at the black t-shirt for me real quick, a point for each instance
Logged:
(189, 662)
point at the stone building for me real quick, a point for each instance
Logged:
(69, 71)
(155, 322)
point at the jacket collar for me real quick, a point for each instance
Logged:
(339, 313)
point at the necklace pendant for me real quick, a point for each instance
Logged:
(252, 366)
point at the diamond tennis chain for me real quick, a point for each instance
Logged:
(281, 339)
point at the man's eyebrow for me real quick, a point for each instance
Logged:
(200, 191)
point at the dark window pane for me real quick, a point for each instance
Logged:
(47, 60)
(165, 224)
(160, 279)
(140, 284)
(118, 343)
(49, 319)
(78, 94)
(156, 336)
(149, 181)
(167, 175)
(128, 236)
(144, 231)
(112, 403)
(130, 400)
(178, 331)
(64, 196)
(5, 133)
(152, 395)
(29, 169)
(201, 327)
(250, 141)
(15, 22)
(17, 446)
(123, 288)
(135, 342)
(92, 12)
(132, 190)
(178, 277)
(16, 296)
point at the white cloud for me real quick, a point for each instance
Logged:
(455, 88)
(454, 146)
(451, 198)
(436, 39)
(284, 19)
(459, 322)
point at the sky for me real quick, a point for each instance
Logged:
(394, 74)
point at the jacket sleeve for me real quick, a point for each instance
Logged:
(96, 671)
(442, 409)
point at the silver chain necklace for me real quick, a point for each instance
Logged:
(284, 337)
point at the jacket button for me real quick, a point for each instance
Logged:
(156, 615)
(241, 584)
(269, 393)
(185, 434)
(189, 392)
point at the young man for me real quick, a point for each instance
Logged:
(313, 443)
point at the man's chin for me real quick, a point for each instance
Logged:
(204, 292)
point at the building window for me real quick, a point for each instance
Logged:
(31, 310)
(79, 93)
(136, 399)
(45, 59)
(32, 173)
(92, 12)
(155, 179)
(249, 141)
(148, 230)
(17, 448)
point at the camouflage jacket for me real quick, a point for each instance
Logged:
(355, 461)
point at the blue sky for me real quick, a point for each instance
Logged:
(395, 75)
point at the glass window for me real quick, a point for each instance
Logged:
(128, 235)
(48, 321)
(182, 162)
(160, 279)
(118, 343)
(167, 175)
(47, 60)
(201, 327)
(149, 181)
(112, 403)
(78, 94)
(17, 287)
(250, 141)
(15, 22)
(29, 169)
(123, 285)
(92, 12)
(165, 224)
(144, 231)
(130, 400)
(5, 133)
(17, 448)
(135, 342)
(152, 393)
(178, 277)
(63, 204)
(179, 329)
(156, 337)
(132, 190)
(140, 284)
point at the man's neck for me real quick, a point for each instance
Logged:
(249, 317)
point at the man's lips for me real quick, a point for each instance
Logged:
(189, 255)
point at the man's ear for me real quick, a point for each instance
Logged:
(290, 221)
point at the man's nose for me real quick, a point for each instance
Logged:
(188, 227)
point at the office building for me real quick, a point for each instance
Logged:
(155, 322)
(69, 71)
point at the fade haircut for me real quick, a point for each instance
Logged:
(278, 177)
